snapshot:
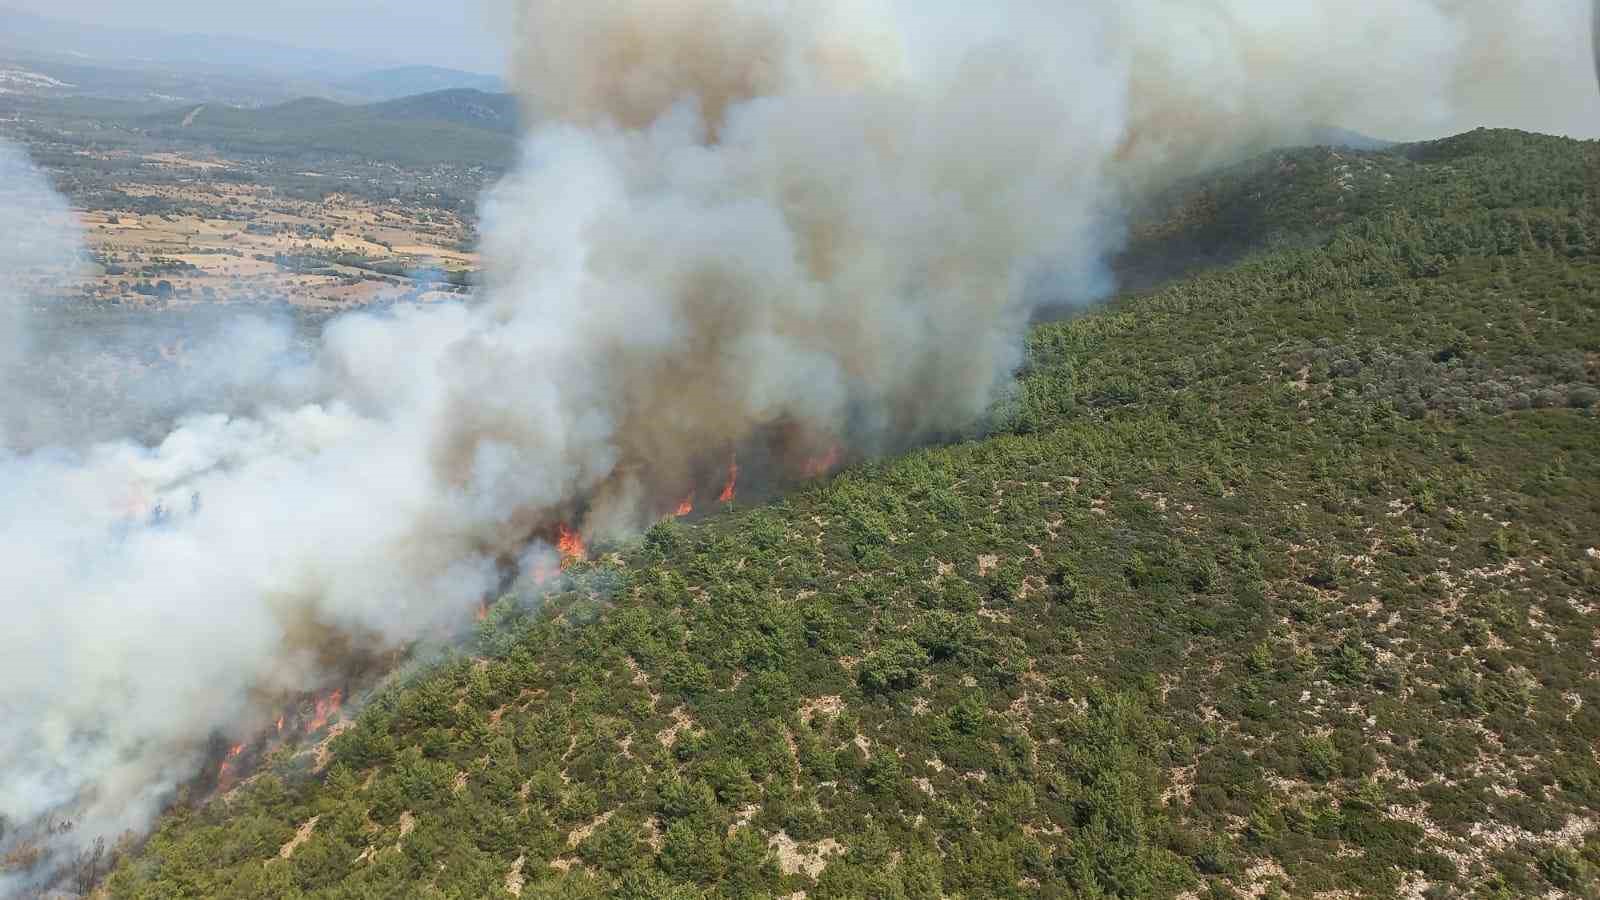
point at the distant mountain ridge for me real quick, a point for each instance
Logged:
(404, 81)
(148, 64)
(34, 33)
(464, 106)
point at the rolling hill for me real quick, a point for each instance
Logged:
(459, 126)
(1279, 579)
(404, 81)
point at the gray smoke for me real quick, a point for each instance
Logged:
(40, 247)
(1595, 41)
(745, 227)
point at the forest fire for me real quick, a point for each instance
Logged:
(225, 771)
(729, 489)
(309, 717)
(325, 708)
(818, 466)
(570, 545)
(685, 508)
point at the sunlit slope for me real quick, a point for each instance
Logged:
(1282, 576)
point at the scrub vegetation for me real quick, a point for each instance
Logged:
(1281, 578)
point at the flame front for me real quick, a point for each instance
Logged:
(730, 488)
(326, 707)
(570, 544)
(225, 771)
(818, 466)
(685, 508)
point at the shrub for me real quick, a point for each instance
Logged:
(1583, 397)
(948, 635)
(1567, 870)
(894, 666)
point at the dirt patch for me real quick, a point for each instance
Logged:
(1181, 786)
(300, 837)
(324, 748)
(1260, 877)
(795, 858)
(565, 865)
(830, 706)
(514, 878)
(680, 723)
(579, 835)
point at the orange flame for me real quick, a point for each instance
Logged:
(326, 707)
(685, 508)
(483, 611)
(571, 546)
(729, 489)
(226, 769)
(817, 466)
(280, 724)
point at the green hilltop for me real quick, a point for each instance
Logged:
(1277, 579)
(460, 126)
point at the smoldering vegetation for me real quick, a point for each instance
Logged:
(747, 241)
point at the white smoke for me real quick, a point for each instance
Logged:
(39, 244)
(742, 226)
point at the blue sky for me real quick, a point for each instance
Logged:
(455, 33)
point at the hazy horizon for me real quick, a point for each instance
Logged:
(390, 33)
(468, 36)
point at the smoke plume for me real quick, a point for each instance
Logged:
(40, 245)
(748, 230)
(1595, 41)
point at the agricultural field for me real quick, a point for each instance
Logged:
(192, 206)
(227, 243)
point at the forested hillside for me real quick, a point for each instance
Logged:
(449, 127)
(1281, 579)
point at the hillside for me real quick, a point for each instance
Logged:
(1283, 578)
(458, 126)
